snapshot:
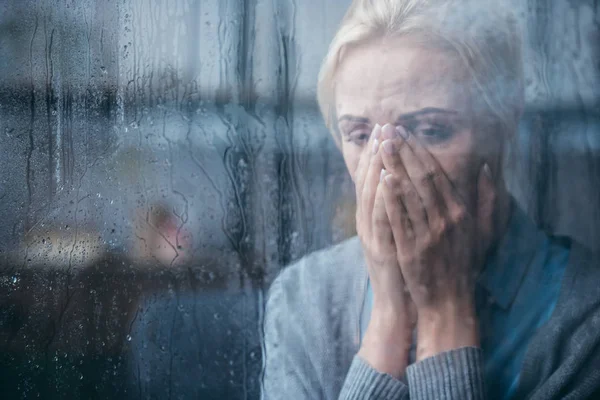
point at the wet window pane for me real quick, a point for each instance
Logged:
(163, 161)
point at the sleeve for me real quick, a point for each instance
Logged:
(455, 374)
(287, 373)
(292, 357)
(364, 382)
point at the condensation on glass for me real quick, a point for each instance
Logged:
(161, 161)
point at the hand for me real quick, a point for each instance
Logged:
(387, 341)
(438, 242)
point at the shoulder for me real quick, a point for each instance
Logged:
(308, 323)
(317, 293)
(568, 351)
(581, 266)
(583, 271)
(321, 274)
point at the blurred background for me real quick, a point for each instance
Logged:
(162, 161)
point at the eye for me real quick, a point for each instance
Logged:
(433, 133)
(359, 138)
(437, 132)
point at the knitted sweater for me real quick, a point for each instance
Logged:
(312, 335)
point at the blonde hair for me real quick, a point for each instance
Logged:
(483, 34)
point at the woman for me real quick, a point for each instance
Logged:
(449, 290)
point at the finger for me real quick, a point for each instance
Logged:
(388, 132)
(423, 174)
(382, 230)
(398, 215)
(391, 156)
(361, 172)
(394, 166)
(365, 157)
(447, 195)
(403, 186)
(391, 144)
(372, 176)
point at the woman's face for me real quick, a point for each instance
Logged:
(426, 91)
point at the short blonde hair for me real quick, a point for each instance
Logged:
(484, 35)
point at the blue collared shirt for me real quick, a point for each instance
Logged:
(517, 292)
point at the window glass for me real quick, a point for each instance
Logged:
(162, 161)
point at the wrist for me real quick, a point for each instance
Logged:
(386, 344)
(446, 328)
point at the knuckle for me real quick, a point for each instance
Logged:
(426, 180)
(428, 242)
(393, 214)
(395, 217)
(406, 259)
(393, 185)
(411, 195)
(492, 196)
(459, 215)
(441, 229)
(405, 186)
(380, 221)
(366, 193)
(433, 175)
(392, 163)
(409, 233)
(405, 220)
(400, 143)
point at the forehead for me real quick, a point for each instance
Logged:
(385, 78)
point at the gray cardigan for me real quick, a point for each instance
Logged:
(312, 335)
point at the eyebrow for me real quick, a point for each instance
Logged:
(426, 110)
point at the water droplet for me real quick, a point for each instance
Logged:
(129, 338)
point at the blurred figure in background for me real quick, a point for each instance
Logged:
(160, 236)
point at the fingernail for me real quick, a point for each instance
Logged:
(402, 132)
(382, 175)
(388, 180)
(388, 131)
(376, 131)
(388, 146)
(375, 146)
(487, 171)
